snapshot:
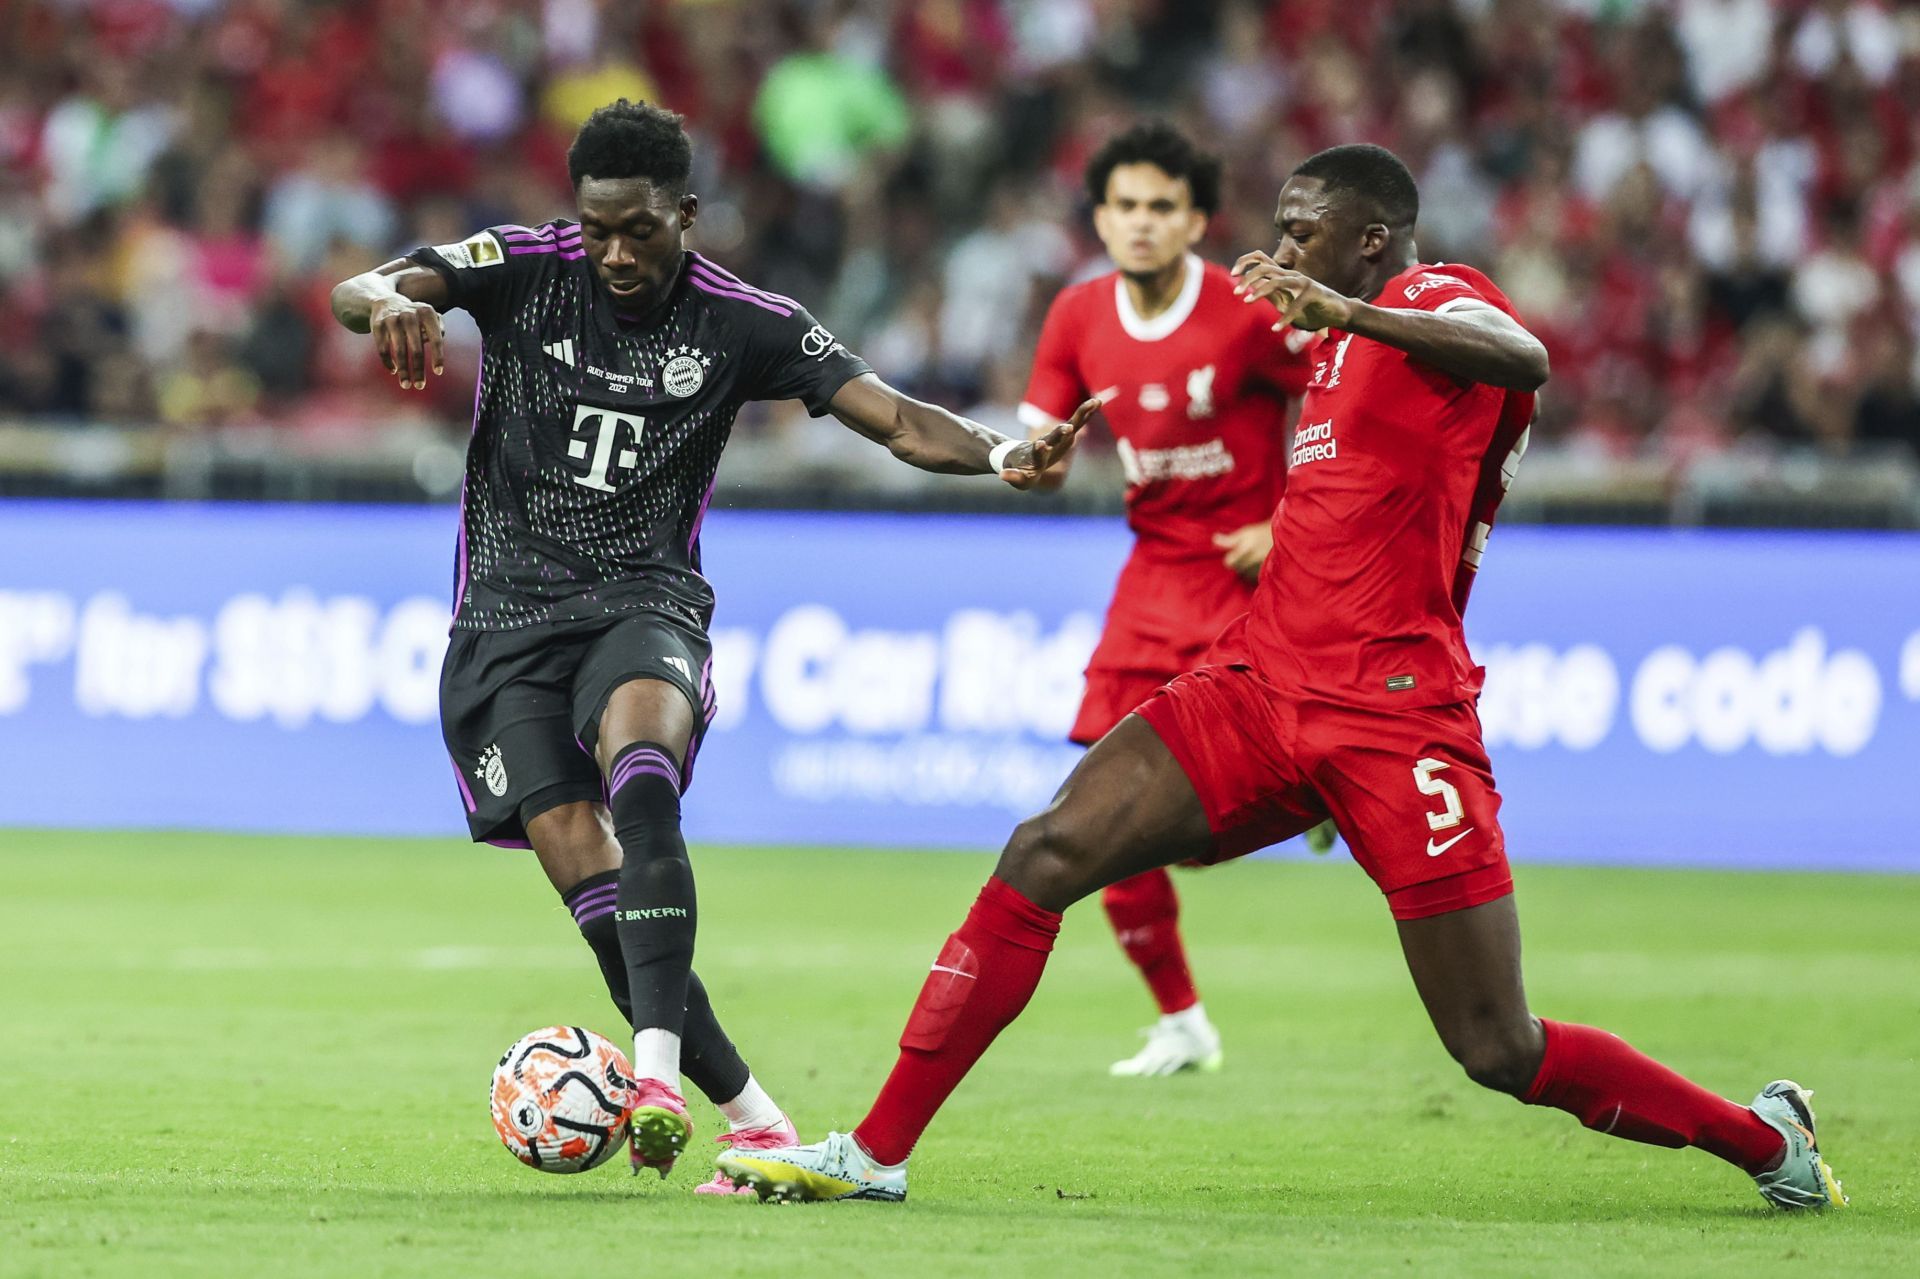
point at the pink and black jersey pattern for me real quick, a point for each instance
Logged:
(596, 439)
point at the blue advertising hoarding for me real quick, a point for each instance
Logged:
(1653, 697)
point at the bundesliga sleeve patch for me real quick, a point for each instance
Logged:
(474, 251)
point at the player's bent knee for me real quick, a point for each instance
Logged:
(572, 842)
(1047, 863)
(570, 827)
(659, 879)
(1505, 1059)
(1497, 1071)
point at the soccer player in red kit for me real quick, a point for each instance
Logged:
(1347, 690)
(1194, 385)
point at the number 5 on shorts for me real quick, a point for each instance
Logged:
(1428, 784)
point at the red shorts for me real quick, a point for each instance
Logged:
(1165, 615)
(1411, 790)
(1111, 696)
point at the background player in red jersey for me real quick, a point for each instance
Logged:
(1347, 690)
(1194, 385)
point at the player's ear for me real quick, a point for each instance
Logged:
(689, 209)
(1196, 226)
(1373, 240)
(1101, 216)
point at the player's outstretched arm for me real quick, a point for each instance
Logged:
(929, 437)
(1475, 342)
(1055, 475)
(400, 304)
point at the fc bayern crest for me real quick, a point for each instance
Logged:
(493, 770)
(686, 372)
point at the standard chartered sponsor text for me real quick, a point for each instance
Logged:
(1183, 462)
(1313, 442)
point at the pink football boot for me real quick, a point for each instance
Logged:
(771, 1137)
(661, 1128)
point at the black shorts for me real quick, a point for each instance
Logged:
(520, 710)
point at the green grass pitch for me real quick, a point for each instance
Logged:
(233, 1056)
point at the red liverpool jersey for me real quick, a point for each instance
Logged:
(1395, 474)
(1196, 396)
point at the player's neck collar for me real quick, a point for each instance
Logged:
(1397, 273)
(1163, 324)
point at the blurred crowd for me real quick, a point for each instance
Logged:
(1710, 209)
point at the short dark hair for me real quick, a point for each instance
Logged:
(1375, 174)
(1157, 143)
(632, 140)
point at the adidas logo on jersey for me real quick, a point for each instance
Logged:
(561, 350)
(679, 664)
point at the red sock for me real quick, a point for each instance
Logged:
(1145, 913)
(983, 978)
(1613, 1088)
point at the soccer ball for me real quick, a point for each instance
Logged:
(560, 1099)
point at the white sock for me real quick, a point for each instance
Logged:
(656, 1055)
(1188, 1018)
(752, 1108)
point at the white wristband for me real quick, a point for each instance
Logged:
(997, 456)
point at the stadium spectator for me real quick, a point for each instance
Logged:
(1710, 209)
(1728, 44)
(989, 281)
(327, 197)
(824, 108)
(97, 144)
(1834, 284)
(1859, 32)
(1641, 129)
(210, 387)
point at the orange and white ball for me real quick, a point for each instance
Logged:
(561, 1097)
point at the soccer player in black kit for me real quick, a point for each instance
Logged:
(575, 690)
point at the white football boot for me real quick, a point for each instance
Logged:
(1803, 1179)
(1180, 1041)
(837, 1168)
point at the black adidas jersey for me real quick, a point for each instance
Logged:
(595, 440)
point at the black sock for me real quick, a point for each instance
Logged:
(654, 906)
(707, 1057)
(592, 903)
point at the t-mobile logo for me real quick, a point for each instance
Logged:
(596, 445)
